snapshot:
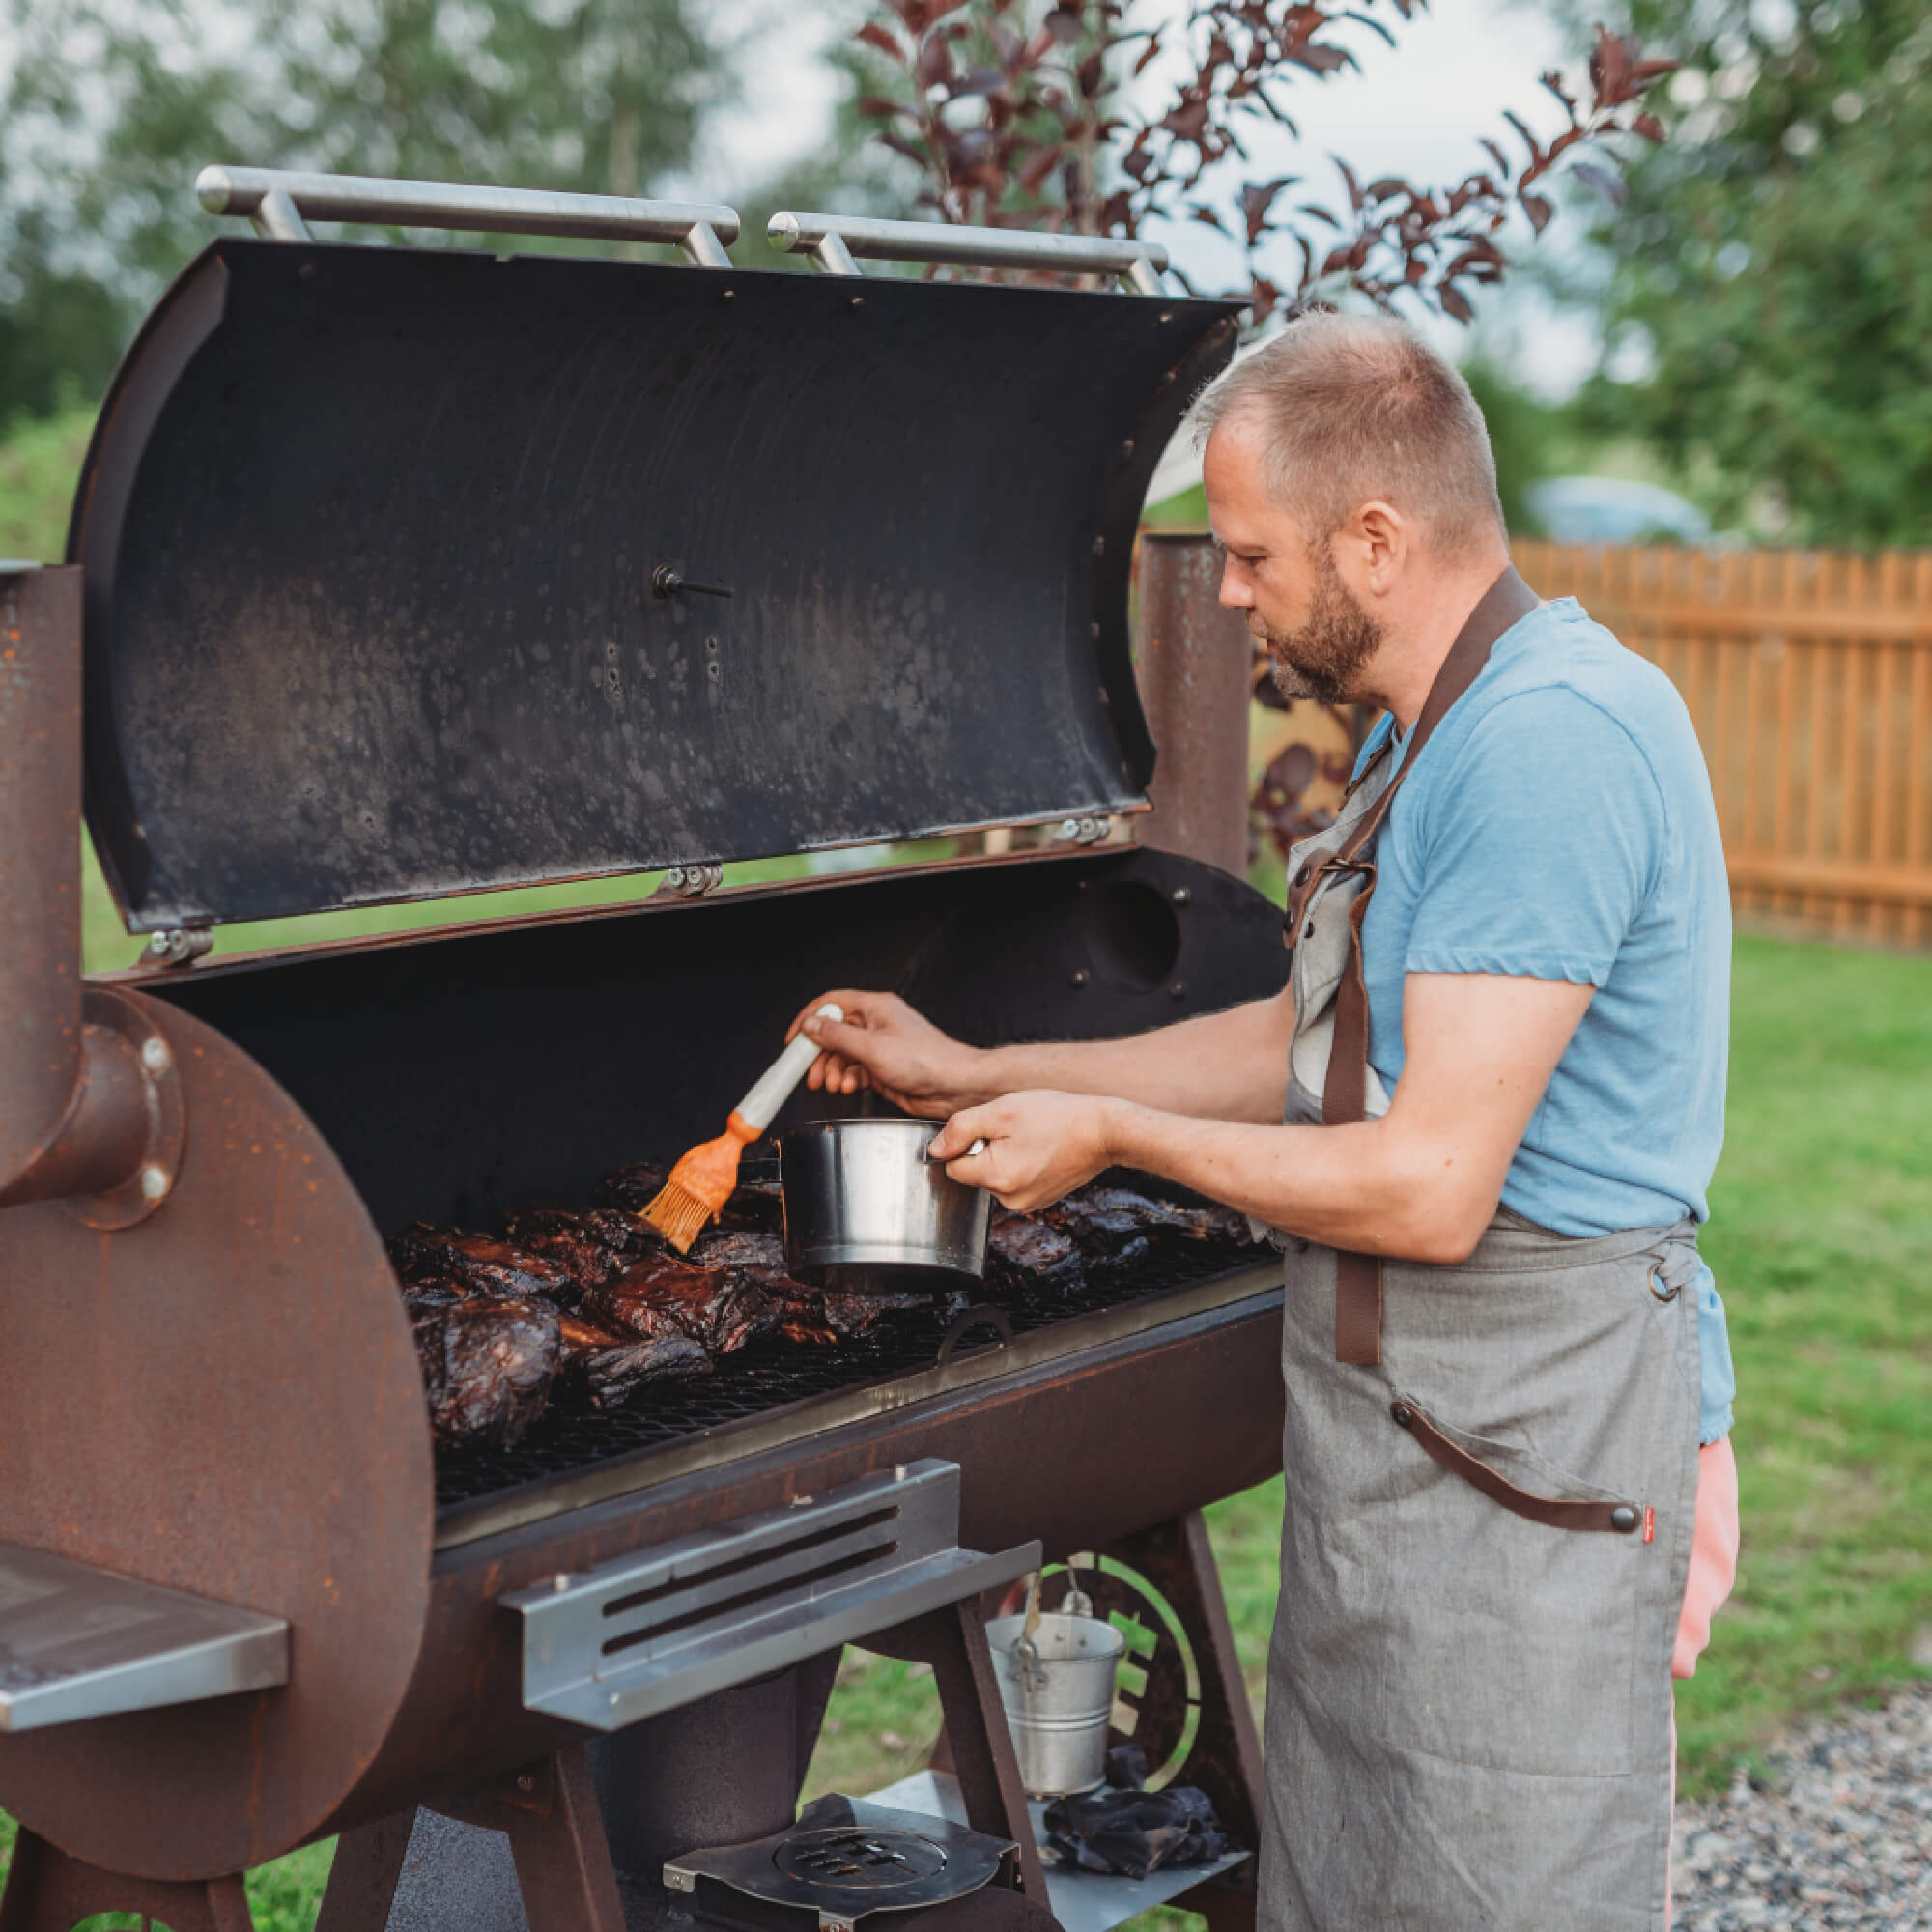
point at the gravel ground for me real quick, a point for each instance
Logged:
(1842, 1838)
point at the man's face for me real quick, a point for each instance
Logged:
(1319, 637)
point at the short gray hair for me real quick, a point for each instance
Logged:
(1355, 408)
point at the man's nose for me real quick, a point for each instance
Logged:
(1236, 594)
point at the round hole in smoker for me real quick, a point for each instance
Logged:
(1132, 934)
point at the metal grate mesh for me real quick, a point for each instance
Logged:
(762, 1378)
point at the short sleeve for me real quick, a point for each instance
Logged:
(1539, 846)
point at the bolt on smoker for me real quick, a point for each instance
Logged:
(397, 573)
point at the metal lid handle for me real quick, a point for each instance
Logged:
(281, 202)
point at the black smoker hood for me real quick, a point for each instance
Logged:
(399, 561)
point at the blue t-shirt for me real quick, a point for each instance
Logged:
(1559, 825)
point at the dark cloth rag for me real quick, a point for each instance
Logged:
(1125, 1829)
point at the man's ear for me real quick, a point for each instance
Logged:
(1382, 539)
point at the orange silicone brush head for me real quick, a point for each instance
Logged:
(700, 1185)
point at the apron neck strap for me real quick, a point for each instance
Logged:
(1505, 603)
(1358, 1277)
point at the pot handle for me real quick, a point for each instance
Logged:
(978, 1146)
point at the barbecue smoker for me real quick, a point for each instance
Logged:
(397, 573)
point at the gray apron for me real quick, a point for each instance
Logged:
(1490, 1484)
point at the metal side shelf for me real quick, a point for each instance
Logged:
(79, 1642)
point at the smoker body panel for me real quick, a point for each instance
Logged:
(1137, 1434)
(223, 1400)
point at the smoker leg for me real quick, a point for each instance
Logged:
(523, 1852)
(548, 1810)
(1225, 1757)
(981, 1747)
(362, 1879)
(48, 1891)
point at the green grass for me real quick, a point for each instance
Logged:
(39, 461)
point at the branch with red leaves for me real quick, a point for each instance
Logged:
(1016, 118)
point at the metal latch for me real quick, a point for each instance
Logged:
(78, 1642)
(669, 1624)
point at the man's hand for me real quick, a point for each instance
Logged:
(883, 1044)
(1039, 1146)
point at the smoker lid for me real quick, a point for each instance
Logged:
(370, 535)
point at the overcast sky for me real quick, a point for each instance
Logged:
(1414, 110)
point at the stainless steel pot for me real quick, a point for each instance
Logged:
(863, 1204)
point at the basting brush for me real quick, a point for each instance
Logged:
(701, 1183)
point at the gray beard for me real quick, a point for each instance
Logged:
(1323, 658)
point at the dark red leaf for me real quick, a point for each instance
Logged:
(1539, 212)
(1262, 297)
(935, 61)
(1349, 176)
(1389, 187)
(1500, 159)
(1601, 181)
(1257, 198)
(1322, 60)
(882, 38)
(1149, 54)
(1033, 176)
(1416, 271)
(1320, 213)
(1609, 69)
(880, 110)
(1200, 212)
(1187, 121)
(1529, 140)
(1064, 24)
(1089, 73)
(1453, 303)
(1649, 126)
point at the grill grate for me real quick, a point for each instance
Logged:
(762, 1378)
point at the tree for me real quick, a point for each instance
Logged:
(1029, 115)
(1772, 265)
(115, 103)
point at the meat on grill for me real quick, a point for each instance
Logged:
(1024, 1253)
(591, 1300)
(610, 1369)
(722, 1309)
(1103, 1220)
(482, 1266)
(592, 1245)
(488, 1363)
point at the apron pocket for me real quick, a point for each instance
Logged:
(1510, 1643)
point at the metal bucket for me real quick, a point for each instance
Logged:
(1059, 1712)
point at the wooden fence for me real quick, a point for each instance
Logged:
(1808, 676)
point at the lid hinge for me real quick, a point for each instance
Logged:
(688, 882)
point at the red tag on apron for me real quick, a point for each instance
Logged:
(1649, 1524)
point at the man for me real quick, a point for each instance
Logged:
(1483, 1115)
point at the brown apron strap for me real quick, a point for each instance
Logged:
(1358, 1278)
(1553, 1511)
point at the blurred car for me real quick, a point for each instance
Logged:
(1611, 509)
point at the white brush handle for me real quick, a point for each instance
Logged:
(773, 1088)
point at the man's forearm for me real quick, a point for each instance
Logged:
(1229, 1066)
(1370, 1187)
